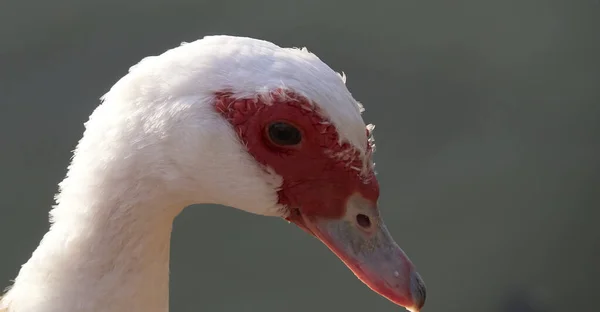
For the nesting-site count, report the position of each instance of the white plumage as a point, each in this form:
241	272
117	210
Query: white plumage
154	146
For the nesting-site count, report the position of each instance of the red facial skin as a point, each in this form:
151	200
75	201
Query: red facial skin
316	186
307	171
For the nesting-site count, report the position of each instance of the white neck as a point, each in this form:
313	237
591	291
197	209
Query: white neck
114	259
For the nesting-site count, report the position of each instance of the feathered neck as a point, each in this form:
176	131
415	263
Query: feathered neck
108	245
116	261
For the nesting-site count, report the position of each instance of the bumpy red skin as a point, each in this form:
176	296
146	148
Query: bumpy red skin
314	182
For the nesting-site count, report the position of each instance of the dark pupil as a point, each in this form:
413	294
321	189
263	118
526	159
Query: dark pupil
284	134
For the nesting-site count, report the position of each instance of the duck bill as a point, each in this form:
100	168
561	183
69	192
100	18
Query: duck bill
361	240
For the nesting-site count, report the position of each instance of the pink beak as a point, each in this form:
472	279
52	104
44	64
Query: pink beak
361	240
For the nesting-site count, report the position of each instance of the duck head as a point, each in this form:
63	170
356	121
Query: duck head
273	131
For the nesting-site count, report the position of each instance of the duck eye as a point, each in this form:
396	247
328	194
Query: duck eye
284	134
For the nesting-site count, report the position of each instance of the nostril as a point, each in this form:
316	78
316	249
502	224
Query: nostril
363	220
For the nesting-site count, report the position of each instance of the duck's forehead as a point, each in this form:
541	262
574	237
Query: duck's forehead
260	68
249	68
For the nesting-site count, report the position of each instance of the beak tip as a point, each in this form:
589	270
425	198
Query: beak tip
418	291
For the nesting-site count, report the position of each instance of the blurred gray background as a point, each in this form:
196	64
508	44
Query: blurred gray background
488	126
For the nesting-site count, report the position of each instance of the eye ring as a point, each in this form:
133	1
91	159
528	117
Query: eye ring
282	133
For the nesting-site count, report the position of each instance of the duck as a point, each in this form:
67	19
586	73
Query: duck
227	120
